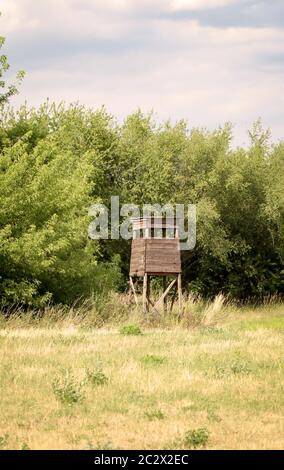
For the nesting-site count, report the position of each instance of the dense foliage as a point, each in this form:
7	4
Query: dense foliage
56	161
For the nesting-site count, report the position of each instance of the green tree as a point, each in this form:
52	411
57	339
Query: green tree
10	89
46	188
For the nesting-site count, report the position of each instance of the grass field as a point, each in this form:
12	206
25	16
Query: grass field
218	386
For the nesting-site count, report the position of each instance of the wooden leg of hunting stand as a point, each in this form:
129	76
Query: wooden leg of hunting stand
133	289
173	299
153	305
148	292
179	294
161	299
145	290
165	298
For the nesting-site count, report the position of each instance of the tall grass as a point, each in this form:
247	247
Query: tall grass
118	309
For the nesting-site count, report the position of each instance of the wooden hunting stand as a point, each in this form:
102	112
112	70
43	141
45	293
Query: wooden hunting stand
155	251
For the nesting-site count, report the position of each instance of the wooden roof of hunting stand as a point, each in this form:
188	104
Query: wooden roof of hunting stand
155	251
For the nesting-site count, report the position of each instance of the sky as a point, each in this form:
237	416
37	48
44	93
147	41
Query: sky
205	61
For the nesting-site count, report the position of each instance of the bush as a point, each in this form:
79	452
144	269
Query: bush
196	438
67	389
130	330
4	440
97	377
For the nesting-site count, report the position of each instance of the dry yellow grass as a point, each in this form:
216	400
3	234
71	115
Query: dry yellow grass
227	378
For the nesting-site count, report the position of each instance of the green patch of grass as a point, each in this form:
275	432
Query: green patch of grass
240	367
68	340
212	333
152	359
254	324
211	330
25	446
100	446
154	414
196	438
97	377
4	441
233	367
130	330
213	417
67	389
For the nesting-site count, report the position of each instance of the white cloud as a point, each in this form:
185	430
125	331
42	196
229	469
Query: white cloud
64	17
199	4
126	54
15	17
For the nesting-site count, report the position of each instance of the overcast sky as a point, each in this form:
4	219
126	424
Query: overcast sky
207	61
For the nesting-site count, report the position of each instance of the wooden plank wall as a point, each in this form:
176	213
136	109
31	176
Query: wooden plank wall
163	256
155	256
137	261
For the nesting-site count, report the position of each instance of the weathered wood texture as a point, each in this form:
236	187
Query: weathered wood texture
150	222
155	256
137	261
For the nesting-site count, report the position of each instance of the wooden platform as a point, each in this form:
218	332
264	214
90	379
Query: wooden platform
155	256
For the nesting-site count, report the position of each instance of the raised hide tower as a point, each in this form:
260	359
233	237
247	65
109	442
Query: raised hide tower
155	251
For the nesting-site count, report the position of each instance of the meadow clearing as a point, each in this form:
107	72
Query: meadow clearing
66	384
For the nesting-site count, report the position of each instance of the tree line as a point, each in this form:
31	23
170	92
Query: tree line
56	161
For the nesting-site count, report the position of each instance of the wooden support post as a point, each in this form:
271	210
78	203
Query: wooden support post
165	293
145	289
148	291
173	300
164	288
153	305
133	290
179	294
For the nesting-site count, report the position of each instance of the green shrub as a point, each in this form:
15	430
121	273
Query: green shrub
97	377
67	389
130	330
232	367
240	367
195	438
4	440
25	446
